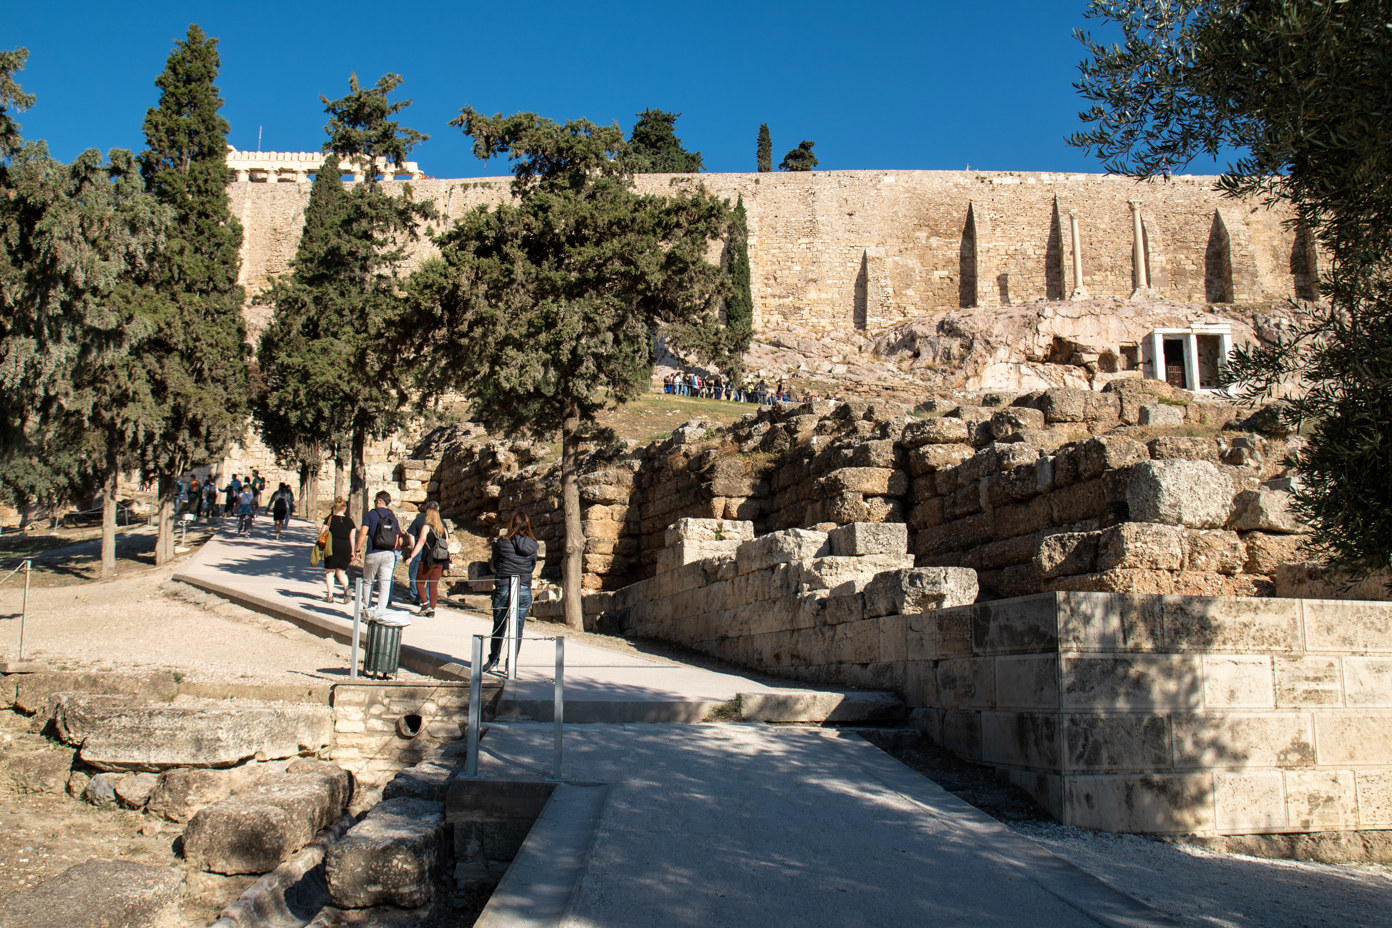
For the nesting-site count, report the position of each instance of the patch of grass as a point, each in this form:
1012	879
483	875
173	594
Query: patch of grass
732	711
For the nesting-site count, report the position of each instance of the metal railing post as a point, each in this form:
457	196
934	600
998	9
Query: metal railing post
475	707
514	633
357	624
558	706
24	609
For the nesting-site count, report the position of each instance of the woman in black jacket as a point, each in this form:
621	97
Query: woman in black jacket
514	555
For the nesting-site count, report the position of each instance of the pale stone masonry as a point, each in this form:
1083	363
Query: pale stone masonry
1120	712
836	249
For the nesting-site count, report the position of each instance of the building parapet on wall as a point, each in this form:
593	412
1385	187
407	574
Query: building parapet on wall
299	167
1120	712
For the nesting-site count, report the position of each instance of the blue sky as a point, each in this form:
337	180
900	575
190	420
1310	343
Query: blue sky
877	85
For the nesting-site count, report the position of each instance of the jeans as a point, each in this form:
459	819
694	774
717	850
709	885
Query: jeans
379	565
500	611
412	569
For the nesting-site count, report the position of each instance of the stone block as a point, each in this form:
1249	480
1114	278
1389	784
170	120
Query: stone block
37	692
966	682
1098	742
1308	680
135	789
921	637
1265	510
1137	681
1222	623
682	553
1195	494
154	737
182	792
35	773
391	857
1321	800
1214	550
1068	554
1374	798
943	431
1089	499
1249	803
708	530
1353	737
1140	545
1266	553
868	481
854	642
1109	621
99	894
919	589
1158	414
782	547
1095	457
893	647
1348	626
1028	624
1020	739
255	831
1242	739
961	733
1368	682
1153	803
853	573
807	706
1238	681
1064	404
954	631
1027	682
861	538
930	458
844	607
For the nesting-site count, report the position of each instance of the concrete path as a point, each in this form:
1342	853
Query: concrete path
276	578
717	826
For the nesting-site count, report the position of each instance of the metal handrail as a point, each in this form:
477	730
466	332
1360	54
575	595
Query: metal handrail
476	704
27	566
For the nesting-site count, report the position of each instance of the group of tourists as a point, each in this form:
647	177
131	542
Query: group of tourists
715	388
381	541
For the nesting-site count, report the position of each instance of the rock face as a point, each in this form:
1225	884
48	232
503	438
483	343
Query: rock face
98	894
391	857
112	734
254	831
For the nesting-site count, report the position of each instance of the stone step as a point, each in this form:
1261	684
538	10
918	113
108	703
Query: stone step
112	733
108	893
814	706
256	830
392	857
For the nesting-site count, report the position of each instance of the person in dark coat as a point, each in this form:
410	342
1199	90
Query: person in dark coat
514	555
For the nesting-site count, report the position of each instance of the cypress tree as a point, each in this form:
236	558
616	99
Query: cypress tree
739	308
764	156
199	353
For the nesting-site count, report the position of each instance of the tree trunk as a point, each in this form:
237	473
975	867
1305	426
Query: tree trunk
164	538
110	486
357	477
340	477
309	482
574	562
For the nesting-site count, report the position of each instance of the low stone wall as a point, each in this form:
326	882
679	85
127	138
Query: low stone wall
383	728
1122	712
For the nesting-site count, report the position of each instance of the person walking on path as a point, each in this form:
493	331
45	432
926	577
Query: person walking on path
246	510
345	549
380	538
415	529
281	504
432	547
514	555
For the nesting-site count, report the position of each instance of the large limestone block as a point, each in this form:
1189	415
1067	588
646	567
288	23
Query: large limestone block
862	538
256	831
846	574
1265	511
870	481
927	458
35	692
812	706
392	857
689	552
182	792
1143	545
945	431
1195	494
1160	414
919	589
1067	554
1214	550
786	546
98	894
708	530
1267	553
212	734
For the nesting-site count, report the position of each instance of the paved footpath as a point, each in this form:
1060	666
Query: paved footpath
716	826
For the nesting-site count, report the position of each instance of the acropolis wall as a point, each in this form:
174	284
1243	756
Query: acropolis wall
836	249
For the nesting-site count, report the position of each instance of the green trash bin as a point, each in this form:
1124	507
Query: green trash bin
383	652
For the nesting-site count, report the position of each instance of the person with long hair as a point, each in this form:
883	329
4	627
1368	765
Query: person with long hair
345	551
514	555
432	545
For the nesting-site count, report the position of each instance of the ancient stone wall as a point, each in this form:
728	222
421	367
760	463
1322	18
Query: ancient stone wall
837	249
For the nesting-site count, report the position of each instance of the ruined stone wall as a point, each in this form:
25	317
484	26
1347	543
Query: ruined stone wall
835	249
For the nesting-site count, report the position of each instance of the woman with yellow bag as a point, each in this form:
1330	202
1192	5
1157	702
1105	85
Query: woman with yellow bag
339	548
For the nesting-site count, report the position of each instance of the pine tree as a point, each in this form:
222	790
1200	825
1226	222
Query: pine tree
764	154
199	354
653	146
368	252
544	309
800	158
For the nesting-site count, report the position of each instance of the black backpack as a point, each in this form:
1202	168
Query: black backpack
385	537
439	547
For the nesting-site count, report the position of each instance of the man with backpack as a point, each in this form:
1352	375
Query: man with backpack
380	538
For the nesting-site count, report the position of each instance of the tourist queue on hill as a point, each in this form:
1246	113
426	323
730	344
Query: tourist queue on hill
714	388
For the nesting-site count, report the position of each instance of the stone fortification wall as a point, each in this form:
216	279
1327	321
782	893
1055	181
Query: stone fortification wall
1121	712
837	249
